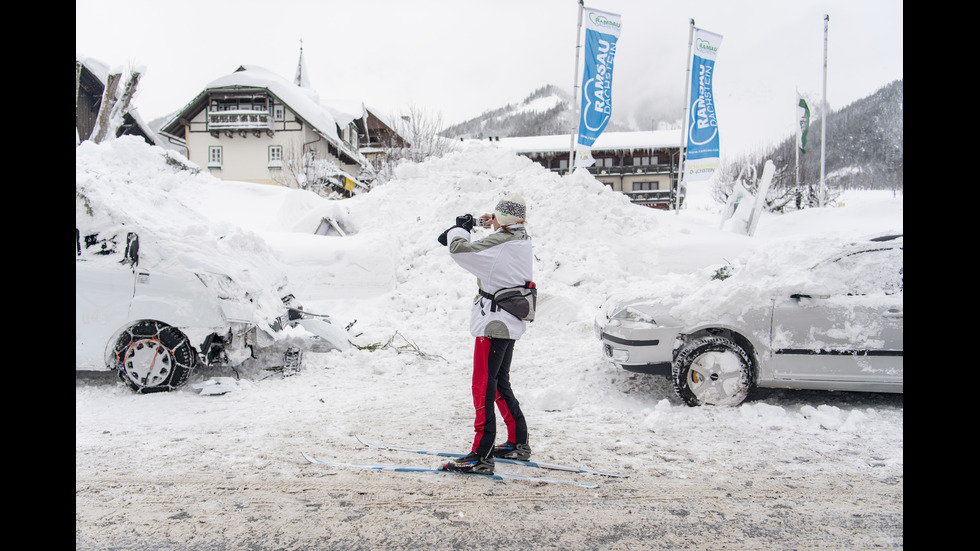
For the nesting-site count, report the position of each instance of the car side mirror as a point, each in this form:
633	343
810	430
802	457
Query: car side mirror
132	253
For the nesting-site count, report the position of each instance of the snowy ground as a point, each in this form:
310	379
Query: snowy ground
785	470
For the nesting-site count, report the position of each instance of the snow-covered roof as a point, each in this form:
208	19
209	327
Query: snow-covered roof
383	117
96	67
302	101
344	111
323	117
649	139
101	71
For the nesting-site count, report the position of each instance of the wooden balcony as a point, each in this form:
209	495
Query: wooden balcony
240	120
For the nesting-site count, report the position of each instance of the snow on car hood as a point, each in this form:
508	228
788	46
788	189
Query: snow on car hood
727	292
123	184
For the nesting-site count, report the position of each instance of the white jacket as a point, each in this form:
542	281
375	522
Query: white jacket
502	259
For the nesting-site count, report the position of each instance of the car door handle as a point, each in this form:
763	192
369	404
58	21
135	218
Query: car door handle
894	313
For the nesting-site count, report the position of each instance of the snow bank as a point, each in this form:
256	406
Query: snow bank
124	183
589	241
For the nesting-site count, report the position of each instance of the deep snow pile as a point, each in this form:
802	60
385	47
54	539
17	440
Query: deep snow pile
124	185
589	241
392	277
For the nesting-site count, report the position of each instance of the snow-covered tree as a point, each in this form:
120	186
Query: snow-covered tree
114	108
864	150
416	139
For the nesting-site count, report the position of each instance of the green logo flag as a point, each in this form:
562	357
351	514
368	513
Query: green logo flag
803	117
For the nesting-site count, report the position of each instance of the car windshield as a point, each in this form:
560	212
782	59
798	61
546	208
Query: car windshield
122	247
863	272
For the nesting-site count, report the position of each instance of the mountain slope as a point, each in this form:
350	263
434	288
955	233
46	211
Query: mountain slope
546	111
865	143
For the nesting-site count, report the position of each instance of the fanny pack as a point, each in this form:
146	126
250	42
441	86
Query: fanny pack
518	301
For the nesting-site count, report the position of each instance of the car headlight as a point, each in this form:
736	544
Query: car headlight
633	315
223	286
619	355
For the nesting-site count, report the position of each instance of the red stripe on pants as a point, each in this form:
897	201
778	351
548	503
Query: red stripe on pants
491	384
481	353
508	418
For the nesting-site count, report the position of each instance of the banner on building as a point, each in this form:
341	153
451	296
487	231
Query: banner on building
803	118
703	146
601	33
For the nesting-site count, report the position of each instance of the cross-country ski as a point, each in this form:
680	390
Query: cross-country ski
414	469
551	466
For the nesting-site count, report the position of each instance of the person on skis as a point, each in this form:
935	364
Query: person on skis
502	259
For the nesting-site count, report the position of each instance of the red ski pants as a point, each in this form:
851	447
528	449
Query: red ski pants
491	385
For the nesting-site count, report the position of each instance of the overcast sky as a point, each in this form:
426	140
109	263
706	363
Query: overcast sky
459	58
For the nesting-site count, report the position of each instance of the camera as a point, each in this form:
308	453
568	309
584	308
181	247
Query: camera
483	222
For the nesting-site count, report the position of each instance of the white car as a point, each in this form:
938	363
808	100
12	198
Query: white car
841	328
154	326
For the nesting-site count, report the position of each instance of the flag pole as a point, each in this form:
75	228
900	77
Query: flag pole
823	117
799	132
687	101
575	86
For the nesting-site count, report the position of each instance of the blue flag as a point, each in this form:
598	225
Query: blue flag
703	148
601	33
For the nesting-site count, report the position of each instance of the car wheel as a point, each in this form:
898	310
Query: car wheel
151	356
712	370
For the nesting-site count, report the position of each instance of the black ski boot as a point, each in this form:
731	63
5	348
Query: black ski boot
510	450
471	463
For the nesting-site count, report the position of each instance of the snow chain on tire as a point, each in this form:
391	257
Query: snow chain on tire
704	384
151	356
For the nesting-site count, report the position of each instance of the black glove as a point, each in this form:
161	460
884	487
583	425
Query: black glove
465	221
442	237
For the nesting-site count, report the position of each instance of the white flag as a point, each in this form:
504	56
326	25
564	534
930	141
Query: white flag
803	120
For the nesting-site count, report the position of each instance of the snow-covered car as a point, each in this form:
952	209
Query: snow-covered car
837	326
154	322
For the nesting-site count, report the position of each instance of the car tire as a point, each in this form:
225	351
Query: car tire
151	356
712	370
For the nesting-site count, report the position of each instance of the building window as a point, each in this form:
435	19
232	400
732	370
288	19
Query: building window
214	156
275	156
352	135
279	112
645	186
240	103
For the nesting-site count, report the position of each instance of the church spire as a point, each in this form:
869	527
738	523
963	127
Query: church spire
302	76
